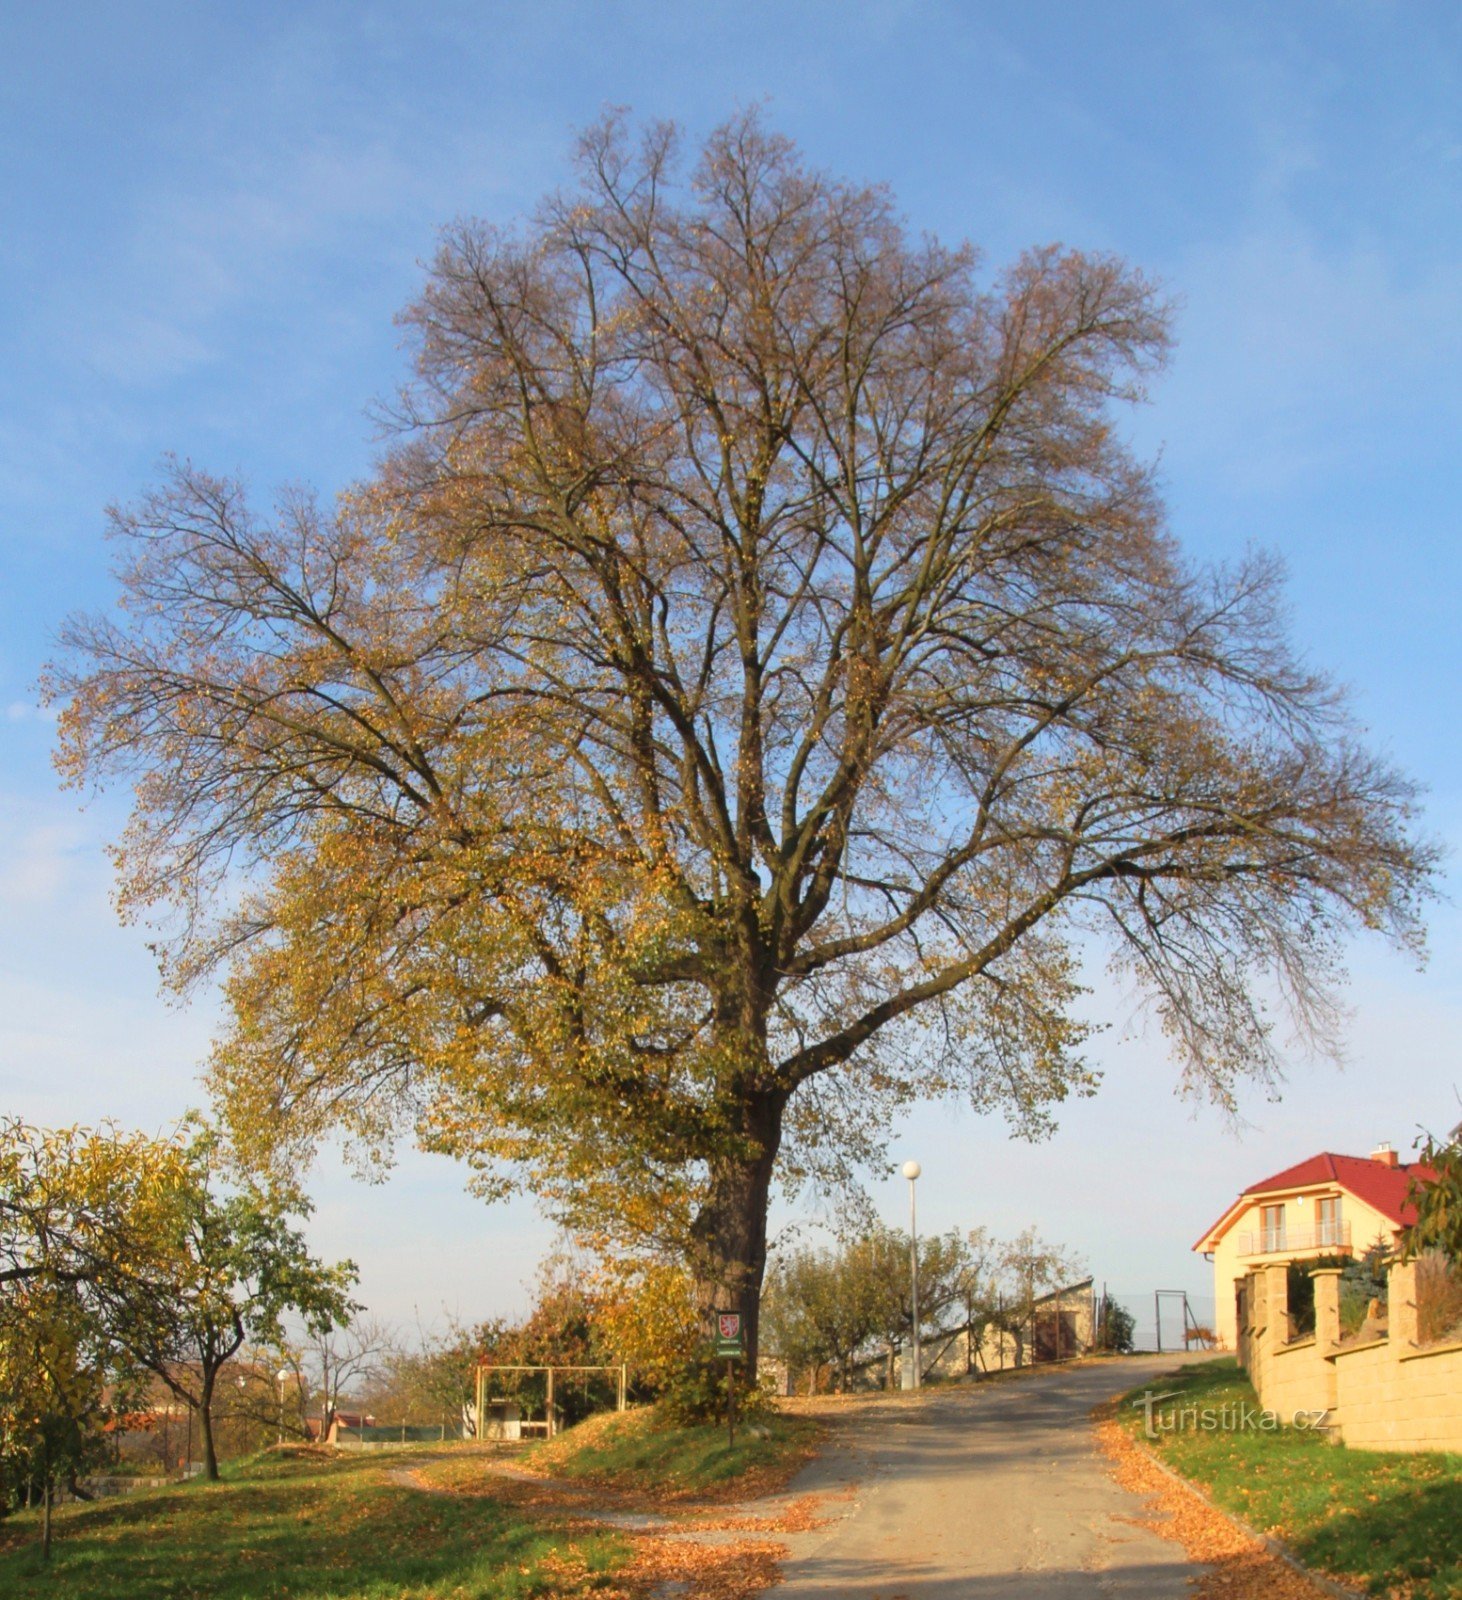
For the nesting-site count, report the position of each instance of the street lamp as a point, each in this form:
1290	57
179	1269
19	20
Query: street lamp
282	1374
912	1169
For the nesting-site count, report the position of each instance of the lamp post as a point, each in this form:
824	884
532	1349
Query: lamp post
912	1169
281	1375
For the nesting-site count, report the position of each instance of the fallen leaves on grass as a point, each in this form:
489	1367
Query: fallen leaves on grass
801	1515
699	1538
674	1553
708	1572
570	1458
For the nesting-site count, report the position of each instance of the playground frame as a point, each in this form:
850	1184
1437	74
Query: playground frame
620	1372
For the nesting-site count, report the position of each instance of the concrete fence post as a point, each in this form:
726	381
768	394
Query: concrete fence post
1401	1319
1327	1305
1276	1306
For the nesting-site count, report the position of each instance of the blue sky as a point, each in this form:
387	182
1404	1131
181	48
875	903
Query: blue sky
210	214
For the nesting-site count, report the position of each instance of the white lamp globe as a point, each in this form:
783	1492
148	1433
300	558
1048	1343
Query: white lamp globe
912	1169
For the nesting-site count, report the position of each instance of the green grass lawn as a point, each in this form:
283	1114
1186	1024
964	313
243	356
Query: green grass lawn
306	1527
635	1451
315	1527
1388	1521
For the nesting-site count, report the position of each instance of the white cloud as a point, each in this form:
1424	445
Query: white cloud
1293	356
29	711
37	864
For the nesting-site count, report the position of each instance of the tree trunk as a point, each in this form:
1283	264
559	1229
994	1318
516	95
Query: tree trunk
729	1236
46	1517
205	1427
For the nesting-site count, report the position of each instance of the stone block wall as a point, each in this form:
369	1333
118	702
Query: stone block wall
1382	1390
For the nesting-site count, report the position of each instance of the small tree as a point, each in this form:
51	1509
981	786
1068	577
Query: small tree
345	1359
1116	1328
433	1379
176	1272
824	1305
1029	1269
979	1289
81	1212
565	1327
63	1382
228	1268
1363	1285
945	1266
645	1311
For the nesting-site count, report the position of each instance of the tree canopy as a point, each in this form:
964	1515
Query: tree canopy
830	1305
755	670
827	1306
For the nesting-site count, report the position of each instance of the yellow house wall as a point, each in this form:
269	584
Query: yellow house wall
1229	1267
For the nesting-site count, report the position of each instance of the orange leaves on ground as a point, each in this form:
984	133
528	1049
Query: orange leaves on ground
1242	1568
709	1572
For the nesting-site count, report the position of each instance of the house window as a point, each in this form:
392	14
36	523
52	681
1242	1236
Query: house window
1327	1221
1273	1228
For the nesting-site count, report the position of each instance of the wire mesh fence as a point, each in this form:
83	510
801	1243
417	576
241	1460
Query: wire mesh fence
397	1433
1166	1319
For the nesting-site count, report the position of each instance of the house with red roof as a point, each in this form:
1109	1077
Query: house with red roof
1328	1206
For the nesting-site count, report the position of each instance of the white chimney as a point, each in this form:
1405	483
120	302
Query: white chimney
1385	1155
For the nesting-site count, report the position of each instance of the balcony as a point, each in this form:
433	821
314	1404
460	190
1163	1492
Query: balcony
1329	1236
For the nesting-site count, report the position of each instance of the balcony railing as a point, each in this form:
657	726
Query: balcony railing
1295	1241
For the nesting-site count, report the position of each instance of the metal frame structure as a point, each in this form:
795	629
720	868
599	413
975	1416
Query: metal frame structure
620	1372
1190	1322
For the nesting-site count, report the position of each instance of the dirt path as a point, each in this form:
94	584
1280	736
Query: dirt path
707	1522
990	1493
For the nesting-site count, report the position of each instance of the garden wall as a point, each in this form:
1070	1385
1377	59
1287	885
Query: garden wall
1381	1389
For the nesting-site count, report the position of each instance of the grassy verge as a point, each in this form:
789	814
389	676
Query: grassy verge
308	1528
635	1450
1391	1523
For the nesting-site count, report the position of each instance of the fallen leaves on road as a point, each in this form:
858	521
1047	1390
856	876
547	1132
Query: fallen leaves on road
1242	1567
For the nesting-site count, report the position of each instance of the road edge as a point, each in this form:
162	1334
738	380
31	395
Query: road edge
1106	1412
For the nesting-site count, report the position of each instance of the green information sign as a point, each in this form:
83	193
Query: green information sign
730	1340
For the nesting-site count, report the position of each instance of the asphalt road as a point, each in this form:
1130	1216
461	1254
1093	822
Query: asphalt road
982	1493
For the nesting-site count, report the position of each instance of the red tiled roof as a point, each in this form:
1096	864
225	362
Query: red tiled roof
1381	1187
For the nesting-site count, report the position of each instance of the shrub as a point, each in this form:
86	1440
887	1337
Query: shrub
1362	1280
1438	1297
697	1394
1117	1328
